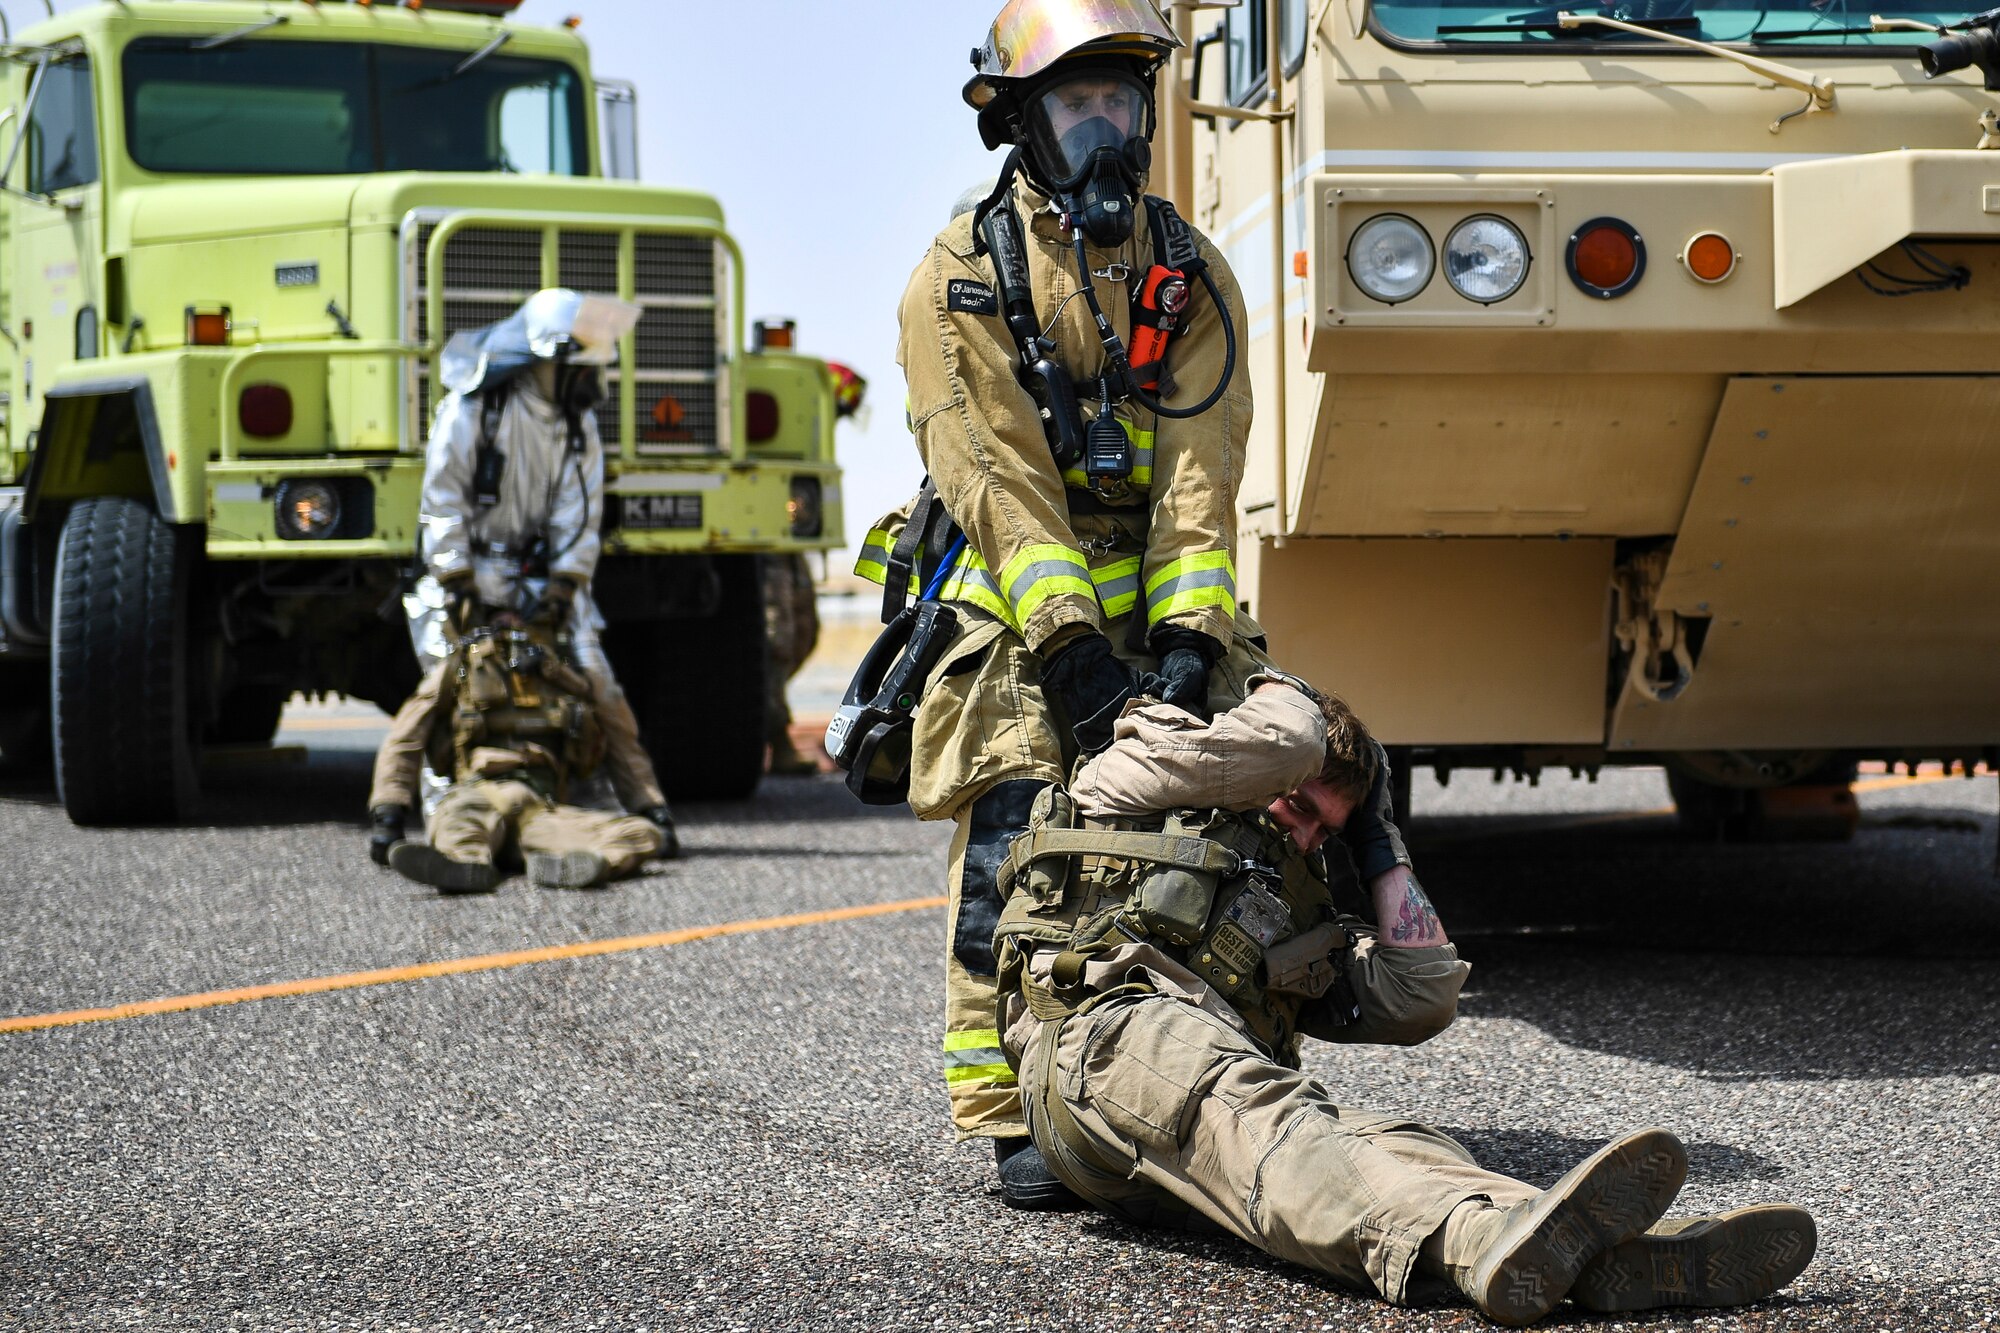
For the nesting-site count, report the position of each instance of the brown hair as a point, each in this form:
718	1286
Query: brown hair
1352	757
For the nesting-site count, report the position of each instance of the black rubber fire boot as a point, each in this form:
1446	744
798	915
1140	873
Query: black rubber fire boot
1026	1181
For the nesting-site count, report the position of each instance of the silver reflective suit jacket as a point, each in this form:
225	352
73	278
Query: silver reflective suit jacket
545	492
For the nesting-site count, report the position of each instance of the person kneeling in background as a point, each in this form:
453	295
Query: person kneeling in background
513	726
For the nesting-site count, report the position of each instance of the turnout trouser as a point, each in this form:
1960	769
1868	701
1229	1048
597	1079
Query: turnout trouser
986	740
486	818
1154	1103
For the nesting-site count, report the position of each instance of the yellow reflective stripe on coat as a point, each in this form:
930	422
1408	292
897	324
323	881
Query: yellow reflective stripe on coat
970	581
873	561
1043	571
975	1054
1117	586
1206	578
1142	460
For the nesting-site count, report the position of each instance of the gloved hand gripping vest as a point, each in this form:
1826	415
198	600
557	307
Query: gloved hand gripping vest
1224	894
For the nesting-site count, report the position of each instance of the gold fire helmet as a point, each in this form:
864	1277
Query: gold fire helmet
1030	37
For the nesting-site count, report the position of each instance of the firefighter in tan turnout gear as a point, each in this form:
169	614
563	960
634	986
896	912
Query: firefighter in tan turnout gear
1079	514
515	727
512	500
1171	932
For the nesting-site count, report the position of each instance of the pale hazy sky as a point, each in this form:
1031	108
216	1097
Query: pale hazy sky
834	136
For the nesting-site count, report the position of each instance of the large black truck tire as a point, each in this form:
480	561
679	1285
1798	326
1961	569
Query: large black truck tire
697	687
119	655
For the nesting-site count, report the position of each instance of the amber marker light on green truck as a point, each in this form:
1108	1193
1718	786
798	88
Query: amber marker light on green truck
233	238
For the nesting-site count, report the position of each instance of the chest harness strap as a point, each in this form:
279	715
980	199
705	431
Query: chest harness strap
1159	303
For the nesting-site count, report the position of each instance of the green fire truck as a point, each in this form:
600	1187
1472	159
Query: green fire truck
233	238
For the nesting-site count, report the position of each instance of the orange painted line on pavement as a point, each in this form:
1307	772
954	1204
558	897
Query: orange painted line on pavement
1882	784
454	966
334	724
1619	816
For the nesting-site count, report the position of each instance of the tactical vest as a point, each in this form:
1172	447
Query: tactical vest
1225	895
514	693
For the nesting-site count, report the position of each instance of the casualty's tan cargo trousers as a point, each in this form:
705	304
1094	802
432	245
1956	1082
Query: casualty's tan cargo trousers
986	740
484	819
1155	1103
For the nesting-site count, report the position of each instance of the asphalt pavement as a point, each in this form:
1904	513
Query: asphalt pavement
682	1129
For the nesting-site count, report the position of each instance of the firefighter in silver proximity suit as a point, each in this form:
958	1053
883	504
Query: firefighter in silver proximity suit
513	494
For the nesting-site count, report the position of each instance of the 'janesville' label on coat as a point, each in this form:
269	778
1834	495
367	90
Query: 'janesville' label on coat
974	297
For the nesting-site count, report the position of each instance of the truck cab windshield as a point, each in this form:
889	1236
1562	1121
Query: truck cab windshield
1839	24
290	108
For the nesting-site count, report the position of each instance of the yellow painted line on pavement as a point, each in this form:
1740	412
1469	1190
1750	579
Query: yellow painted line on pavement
489	962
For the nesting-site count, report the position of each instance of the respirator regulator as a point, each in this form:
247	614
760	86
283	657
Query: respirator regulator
579	387
1089	147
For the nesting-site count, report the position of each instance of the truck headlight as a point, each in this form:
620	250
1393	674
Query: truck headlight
1390	258
803	507
1485	259
307	509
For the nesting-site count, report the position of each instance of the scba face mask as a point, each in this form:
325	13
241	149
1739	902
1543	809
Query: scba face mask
578	385
1089	140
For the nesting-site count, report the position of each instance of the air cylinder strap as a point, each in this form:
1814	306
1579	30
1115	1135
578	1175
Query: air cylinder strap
927	532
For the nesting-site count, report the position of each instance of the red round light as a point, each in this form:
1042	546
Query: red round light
265	411
1605	257
762	410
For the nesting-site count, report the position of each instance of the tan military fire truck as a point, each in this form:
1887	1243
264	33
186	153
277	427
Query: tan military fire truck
232	239
1628	377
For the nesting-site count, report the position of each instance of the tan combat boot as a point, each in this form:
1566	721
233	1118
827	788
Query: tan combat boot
567	870
428	865
1516	1264
1732	1258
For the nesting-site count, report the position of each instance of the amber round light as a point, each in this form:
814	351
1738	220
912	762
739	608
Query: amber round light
1710	257
1606	257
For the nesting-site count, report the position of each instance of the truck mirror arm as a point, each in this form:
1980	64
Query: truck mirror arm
1817	87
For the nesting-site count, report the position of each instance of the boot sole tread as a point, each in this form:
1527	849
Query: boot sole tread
1625	1189
1738	1259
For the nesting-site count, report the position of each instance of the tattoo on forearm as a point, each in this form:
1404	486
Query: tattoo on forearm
1416	919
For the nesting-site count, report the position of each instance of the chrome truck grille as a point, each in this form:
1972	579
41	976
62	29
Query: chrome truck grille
677	370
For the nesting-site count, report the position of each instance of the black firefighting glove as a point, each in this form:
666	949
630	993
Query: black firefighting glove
1186	657
461	600
386	831
1371	834
1092	686
556	602
663	819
